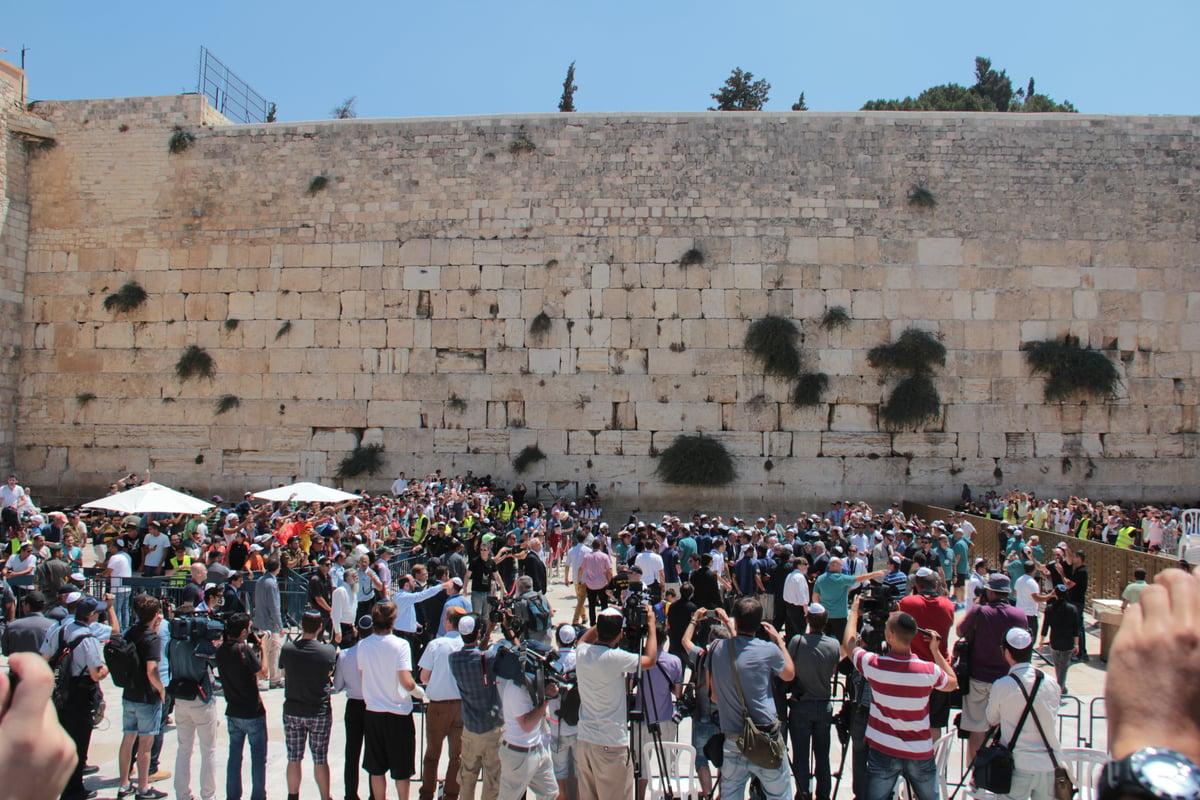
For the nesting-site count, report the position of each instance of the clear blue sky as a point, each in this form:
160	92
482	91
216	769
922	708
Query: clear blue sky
473	57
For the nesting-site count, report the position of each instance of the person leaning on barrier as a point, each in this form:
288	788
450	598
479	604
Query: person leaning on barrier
600	669
815	658
748	695
482	724
1033	769
898	732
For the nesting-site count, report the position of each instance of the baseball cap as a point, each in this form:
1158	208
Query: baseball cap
89	605
1018	638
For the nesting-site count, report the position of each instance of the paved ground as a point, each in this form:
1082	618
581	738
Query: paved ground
1086	680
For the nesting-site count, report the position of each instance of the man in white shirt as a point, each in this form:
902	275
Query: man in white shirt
400	485
573	560
22	562
342	609
600	670
1024	589
653	575
796	597
119	567
385	663
155	546
12	497
1033	774
526	764
443	708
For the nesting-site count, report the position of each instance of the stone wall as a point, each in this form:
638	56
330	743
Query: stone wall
354	312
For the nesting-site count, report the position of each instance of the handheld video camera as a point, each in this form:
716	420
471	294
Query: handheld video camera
875	604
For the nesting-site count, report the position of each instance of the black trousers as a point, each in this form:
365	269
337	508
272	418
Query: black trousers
596	597
356	711
796	618
76	719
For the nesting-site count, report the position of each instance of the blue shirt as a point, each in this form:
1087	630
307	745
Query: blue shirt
472	671
834	588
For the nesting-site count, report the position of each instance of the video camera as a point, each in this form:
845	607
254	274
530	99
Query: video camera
875	604
532	664
502	612
196	628
637	621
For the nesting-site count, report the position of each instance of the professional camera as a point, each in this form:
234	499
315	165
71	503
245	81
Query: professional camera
196	628
502	612
531	664
636	619
875	604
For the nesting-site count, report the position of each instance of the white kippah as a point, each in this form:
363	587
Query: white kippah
816	608
1018	638
466	625
924	572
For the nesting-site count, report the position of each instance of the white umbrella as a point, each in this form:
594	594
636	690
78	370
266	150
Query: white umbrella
151	498
305	492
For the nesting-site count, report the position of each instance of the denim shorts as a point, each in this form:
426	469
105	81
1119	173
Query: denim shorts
144	719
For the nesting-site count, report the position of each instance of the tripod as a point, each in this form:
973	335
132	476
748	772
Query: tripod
637	689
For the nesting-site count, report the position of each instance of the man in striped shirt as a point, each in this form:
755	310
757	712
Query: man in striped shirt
898	732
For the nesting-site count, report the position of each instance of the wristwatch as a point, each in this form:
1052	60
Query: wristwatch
1152	773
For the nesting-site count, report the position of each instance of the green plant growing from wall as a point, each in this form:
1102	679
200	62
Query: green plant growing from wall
809	388
126	299
180	140
456	403
540	326
773	341
317	184
83	398
529	455
1071	369
231	324
366	458
915	399
696	460
521	144
835	317
692	258
920	196
284	330
228	402
195	363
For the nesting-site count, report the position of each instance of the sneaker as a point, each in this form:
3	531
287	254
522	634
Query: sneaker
150	794
159	775
125	791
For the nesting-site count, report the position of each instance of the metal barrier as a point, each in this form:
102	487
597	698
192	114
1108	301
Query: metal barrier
228	93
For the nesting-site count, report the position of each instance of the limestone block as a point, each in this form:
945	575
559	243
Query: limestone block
414	253
858	444
1086	305
631	362
525	252
507	361
450	441
747	276
609	442
638	443
835	250
1129	445
425	278
315	305
552	443
581	443
333	440
259	463
313	255
848	417
802	250
925	445
488	441
758	415
674	416
460	360
152	258
670	250
593	360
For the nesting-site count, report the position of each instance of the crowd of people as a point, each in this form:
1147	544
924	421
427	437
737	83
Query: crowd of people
433	600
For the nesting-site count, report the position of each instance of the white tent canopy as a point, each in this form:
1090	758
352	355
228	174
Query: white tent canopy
306	492
151	498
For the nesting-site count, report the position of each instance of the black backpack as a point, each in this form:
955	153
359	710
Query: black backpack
124	664
61	664
568	708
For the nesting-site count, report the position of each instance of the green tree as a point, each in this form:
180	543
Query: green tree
741	93
995	86
271	112
992	91
345	109
800	105
567	101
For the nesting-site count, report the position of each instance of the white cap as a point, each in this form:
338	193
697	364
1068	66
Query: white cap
457	581
466	625
1018	638
256	548
924	572
73	597
566	633
816	608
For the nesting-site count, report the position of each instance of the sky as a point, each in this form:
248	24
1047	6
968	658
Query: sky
404	59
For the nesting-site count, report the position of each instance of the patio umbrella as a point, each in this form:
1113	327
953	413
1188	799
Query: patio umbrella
151	498
305	492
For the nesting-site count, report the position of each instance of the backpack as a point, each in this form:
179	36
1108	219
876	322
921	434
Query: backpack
536	613
568	707
61	664
124	664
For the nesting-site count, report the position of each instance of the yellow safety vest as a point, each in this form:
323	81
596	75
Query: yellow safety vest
506	510
1084	525
420	529
1125	537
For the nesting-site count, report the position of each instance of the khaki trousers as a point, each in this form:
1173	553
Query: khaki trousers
580	599
443	720
480	754
605	773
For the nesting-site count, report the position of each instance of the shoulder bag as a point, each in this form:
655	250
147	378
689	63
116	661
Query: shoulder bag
993	763
1064	787
763	748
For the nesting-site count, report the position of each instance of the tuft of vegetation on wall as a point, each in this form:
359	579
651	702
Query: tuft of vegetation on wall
228	402
916	352
231	324
528	456
919	196
456	403
195	363
284	330
180	140
773	340
696	460
540	325
126	299
83	398
317	184
692	258
366	458
521	145
914	401
1071	369
835	317
809	388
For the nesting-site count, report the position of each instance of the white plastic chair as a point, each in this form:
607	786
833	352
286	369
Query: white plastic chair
943	748
680	767
1085	766
1189	536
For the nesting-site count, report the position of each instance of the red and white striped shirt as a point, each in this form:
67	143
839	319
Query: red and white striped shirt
898	725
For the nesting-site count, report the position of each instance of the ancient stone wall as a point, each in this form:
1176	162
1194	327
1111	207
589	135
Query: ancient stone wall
392	302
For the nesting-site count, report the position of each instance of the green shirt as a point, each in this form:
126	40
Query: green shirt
834	588
1133	591
962	552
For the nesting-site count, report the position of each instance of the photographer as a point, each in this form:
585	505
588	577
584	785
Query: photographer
986	624
526	764
900	684
707	627
240	667
482	725
564	738
601	667
743	691
934	612
190	654
533	612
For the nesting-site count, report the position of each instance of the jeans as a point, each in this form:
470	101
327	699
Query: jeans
737	769
121	605
809	725
479	603
883	771
1062	663
254	729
